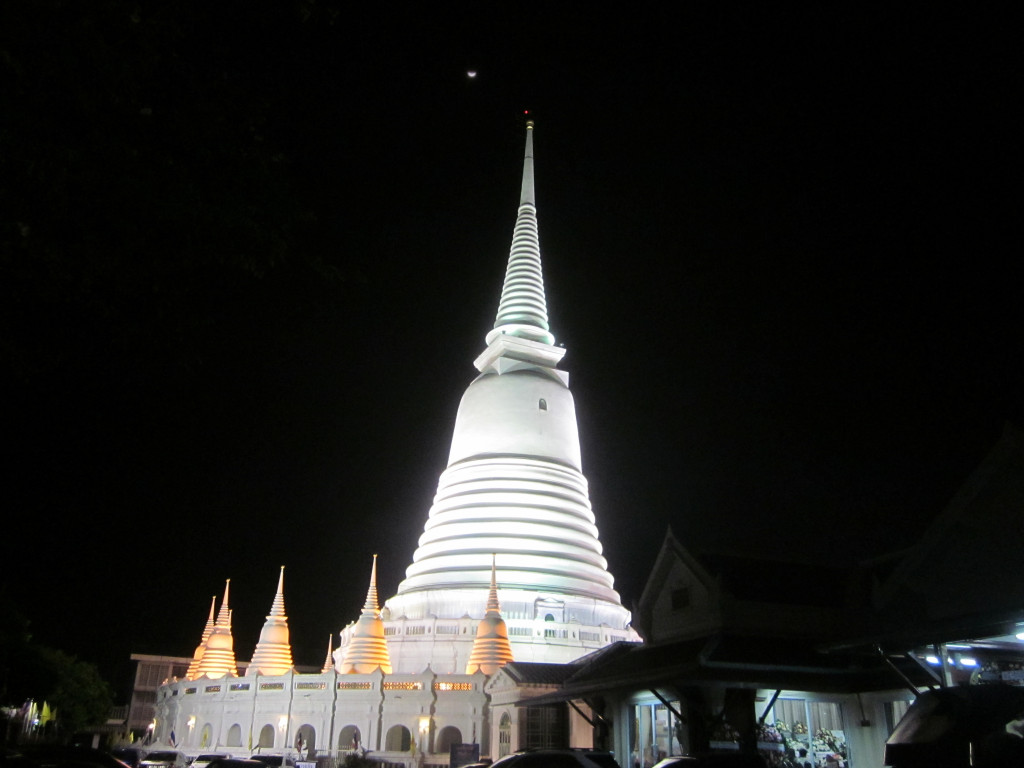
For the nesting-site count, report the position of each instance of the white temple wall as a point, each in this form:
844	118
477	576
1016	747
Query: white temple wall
321	707
311	712
460	702
363	712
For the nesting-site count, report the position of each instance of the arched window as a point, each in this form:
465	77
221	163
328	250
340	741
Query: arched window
235	736
349	738
398	739
446	737
206	737
505	735
267	736
550	609
543	404
308	734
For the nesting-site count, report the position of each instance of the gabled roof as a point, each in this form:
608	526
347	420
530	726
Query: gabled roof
671	554
536	673
733	593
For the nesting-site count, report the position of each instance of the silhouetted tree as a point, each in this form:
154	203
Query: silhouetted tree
75	690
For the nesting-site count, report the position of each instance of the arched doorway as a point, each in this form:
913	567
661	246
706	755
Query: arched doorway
350	738
235	736
504	735
305	740
399	739
266	736
446	737
206	737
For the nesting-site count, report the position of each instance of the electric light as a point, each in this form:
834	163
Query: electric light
968	662
424	725
283	722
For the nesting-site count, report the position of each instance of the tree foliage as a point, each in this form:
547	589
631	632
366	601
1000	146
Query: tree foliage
72	687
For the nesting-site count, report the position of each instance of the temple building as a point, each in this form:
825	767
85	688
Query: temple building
507	631
509	568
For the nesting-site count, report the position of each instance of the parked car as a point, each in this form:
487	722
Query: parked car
274	761
678	761
202	761
164	758
557	758
714	760
49	756
234	762
962	727
130	755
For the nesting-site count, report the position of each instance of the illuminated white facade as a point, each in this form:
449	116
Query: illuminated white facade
511	525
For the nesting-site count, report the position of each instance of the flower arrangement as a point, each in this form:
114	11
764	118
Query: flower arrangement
769	733
781	725
827	741
799	727
725	732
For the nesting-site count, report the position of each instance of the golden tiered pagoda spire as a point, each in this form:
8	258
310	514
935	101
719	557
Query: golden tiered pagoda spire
193	667
329	661
367	650
219	657
491	649
273	654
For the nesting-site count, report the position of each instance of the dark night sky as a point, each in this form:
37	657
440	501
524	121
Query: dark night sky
249	259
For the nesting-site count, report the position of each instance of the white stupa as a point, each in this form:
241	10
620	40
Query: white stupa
508	569
514	487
